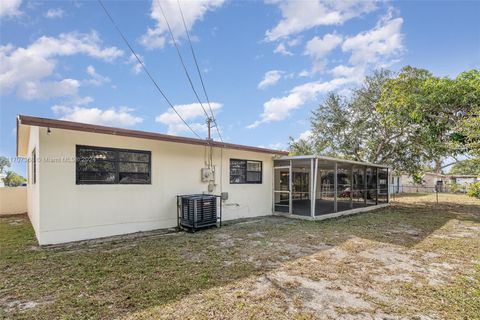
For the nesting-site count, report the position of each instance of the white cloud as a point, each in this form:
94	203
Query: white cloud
270	78
282	49
54	13
295	42
319	47
80	101
10	8
25	71
95	78
193	11
274	146
373	46
33	90
118	117
189	112
306	135
277	109
356	73
378	47
136	66
298	16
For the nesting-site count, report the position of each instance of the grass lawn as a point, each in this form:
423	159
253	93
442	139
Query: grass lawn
414	259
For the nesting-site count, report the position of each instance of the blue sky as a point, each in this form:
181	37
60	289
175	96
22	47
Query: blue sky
266	65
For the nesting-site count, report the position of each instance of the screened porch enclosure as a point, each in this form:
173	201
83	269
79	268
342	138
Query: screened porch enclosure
313	186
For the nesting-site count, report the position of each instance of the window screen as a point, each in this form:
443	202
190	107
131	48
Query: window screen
112	166
245	171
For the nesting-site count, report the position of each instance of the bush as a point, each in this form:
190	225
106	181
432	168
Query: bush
13	180
456	188
474	190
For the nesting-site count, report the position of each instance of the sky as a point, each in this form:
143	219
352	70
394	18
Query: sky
265	65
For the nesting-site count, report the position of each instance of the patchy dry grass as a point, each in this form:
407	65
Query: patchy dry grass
414	259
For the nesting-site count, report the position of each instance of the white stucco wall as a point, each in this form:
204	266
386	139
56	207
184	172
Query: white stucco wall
33	190
70	212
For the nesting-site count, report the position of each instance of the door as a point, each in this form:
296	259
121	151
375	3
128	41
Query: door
281	189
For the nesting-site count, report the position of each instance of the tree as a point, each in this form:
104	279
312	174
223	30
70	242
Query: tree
353	128
13	180
410	120
443	112
474	190
468	167
4	163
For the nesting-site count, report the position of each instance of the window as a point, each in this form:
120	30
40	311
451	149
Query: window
34	166
112	166
245	171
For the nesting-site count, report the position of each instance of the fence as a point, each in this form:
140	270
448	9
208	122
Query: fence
13	200
438	192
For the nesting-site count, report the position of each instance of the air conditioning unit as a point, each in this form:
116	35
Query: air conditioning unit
198	211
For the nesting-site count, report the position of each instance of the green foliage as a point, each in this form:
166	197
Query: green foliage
353	128
13	180
443	112
474	190
468	132
301	147
468	167
455	187
408	120
4	163
417	178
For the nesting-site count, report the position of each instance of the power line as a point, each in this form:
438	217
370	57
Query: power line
181	60
144	68
198	70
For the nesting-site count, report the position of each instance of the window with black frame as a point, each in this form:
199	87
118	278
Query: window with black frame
97	165
245	171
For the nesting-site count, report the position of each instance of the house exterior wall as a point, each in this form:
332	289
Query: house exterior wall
430	180
405	184
463	181
33	190
71	212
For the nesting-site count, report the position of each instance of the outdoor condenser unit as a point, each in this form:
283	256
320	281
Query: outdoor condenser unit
197	211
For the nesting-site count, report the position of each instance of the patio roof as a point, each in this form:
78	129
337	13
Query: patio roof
331	159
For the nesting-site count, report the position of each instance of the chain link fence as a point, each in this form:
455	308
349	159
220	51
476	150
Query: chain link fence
436	193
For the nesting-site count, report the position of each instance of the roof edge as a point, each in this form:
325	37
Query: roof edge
92	128
17	121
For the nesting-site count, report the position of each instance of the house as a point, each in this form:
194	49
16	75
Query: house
87	181
2	176
431	182
463	180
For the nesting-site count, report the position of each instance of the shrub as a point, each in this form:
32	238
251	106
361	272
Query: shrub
474	190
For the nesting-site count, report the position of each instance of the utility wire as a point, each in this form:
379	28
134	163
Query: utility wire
145	68
181	60
198	70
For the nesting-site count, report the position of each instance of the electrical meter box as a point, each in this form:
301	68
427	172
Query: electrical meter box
207	174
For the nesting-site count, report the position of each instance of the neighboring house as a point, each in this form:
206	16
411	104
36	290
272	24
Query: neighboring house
431	182
88	181
2	183
463	180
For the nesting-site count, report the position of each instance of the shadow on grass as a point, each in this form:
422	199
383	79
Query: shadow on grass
124	276
410	195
